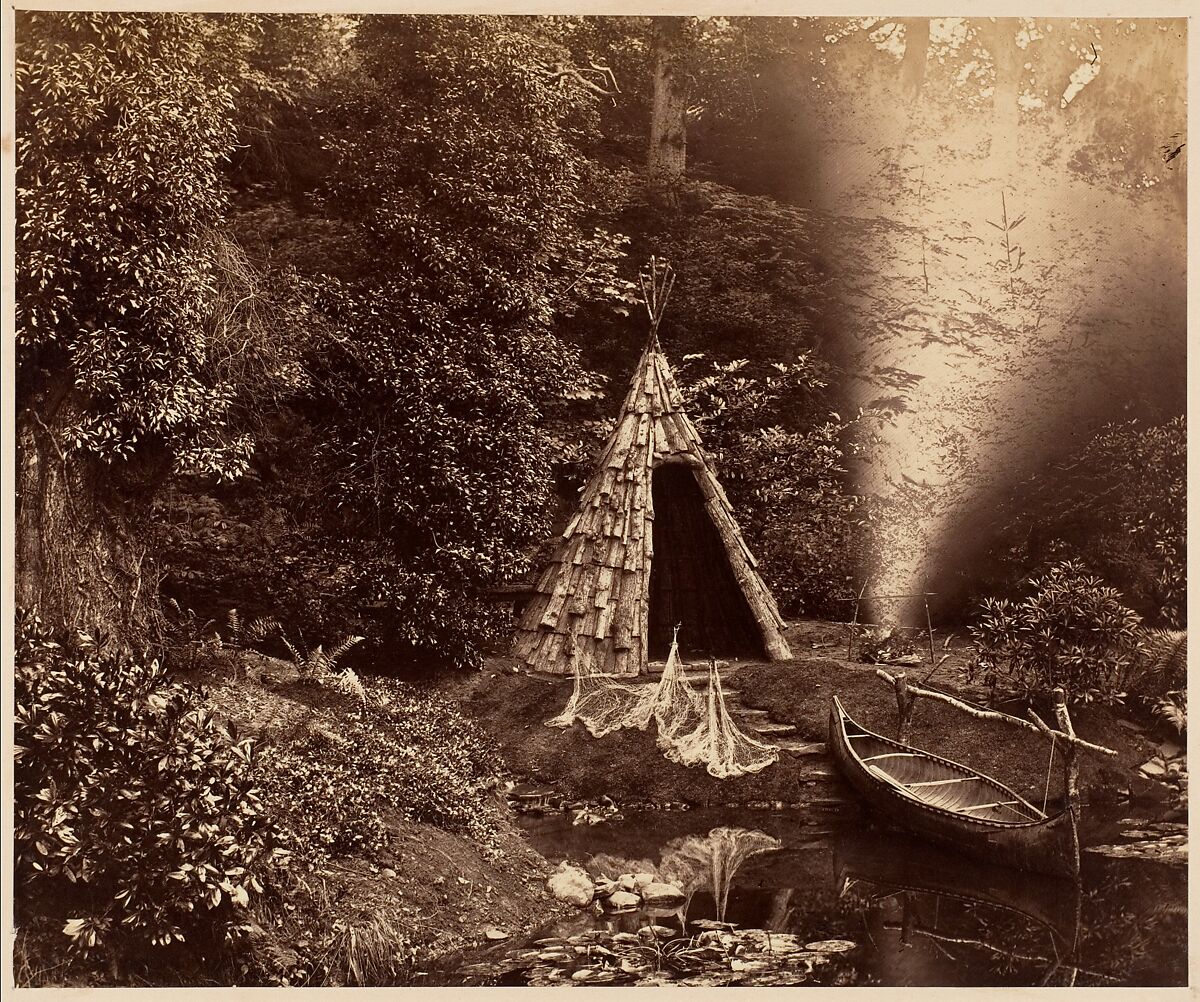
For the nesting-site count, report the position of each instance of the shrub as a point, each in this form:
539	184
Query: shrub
1071	631
437	500
253	545
788	486
136	821
1120	505
400	753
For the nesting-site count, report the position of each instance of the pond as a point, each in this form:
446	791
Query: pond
821	896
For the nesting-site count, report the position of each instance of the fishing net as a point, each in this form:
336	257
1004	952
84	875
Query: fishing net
717	741
602	704
692	728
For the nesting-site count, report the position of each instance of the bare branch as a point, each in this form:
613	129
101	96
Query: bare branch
1037	726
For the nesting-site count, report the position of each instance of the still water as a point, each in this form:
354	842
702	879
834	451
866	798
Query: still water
823	897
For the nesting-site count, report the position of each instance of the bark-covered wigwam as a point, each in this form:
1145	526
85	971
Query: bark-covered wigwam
654	545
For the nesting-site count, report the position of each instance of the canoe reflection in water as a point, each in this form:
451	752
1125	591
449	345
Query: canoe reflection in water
922	908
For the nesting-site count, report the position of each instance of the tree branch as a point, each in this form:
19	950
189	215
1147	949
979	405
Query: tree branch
1037	726
556	72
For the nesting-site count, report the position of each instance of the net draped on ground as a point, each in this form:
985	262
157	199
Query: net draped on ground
693	727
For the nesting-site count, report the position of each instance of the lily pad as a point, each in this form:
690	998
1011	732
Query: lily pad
831	946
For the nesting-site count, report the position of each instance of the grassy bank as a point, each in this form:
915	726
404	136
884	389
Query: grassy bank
512	707
444	876
799	693
625	765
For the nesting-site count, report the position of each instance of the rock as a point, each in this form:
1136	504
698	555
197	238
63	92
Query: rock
1152	768
569	883
640	880
1147	791
1169	750
388	872
662	894
495	933
626	882
620	901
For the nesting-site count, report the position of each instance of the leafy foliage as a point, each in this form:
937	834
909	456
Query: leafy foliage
1172	708
322	667
435	466
125	122
398	754
137	821
456	159
788	485
1161	665
1071	632
258	545
1119	505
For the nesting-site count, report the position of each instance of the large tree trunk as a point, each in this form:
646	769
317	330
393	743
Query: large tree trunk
916	54
1000	39
666	162
77	561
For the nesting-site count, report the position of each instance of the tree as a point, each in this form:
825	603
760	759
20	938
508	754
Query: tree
125	330
666	160
916	54
454	163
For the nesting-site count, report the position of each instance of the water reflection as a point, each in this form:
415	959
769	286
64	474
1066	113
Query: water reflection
802	899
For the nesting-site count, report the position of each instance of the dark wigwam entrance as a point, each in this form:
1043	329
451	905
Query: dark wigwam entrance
691	583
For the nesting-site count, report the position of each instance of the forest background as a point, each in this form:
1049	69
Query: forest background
325	317
322	319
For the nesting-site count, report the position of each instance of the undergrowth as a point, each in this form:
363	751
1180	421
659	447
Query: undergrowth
398	753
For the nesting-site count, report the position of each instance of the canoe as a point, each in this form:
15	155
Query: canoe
946	802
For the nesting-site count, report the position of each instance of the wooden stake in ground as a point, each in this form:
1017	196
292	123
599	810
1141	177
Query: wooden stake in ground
1070	770
904	706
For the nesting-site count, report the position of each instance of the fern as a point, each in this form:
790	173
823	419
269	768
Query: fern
1162	662
347	682
1166	650
334	655
1173	709
323	668
254	632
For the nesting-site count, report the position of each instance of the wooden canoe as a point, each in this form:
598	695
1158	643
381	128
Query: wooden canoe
946	802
